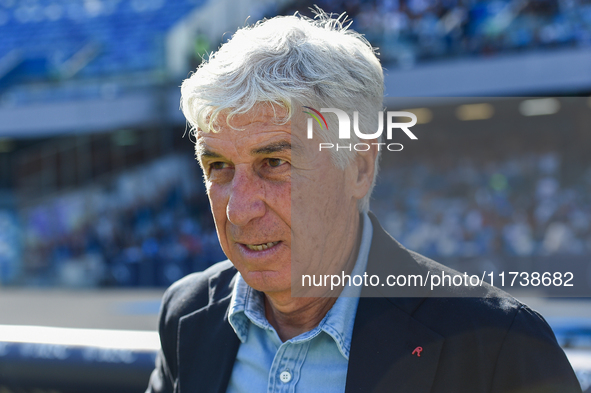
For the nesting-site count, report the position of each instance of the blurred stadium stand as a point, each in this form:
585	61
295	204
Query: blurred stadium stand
494	184
523	180
478	47
99	189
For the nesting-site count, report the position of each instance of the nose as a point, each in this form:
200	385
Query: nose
247	194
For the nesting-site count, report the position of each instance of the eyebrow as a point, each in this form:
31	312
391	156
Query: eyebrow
271	148
203	151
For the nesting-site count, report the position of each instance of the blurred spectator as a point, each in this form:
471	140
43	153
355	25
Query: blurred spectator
407	31
516	206
150	227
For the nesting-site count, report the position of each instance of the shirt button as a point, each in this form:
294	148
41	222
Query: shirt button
285	376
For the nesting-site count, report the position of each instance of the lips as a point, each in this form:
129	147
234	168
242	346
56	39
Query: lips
261	247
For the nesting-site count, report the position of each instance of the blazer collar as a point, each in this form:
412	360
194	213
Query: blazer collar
387	256
207	345
386	338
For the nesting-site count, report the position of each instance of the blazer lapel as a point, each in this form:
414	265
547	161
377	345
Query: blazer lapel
390	350
207	344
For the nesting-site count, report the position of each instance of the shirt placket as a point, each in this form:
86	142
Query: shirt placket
286	367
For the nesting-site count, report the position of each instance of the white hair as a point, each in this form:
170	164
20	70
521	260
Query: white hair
287	59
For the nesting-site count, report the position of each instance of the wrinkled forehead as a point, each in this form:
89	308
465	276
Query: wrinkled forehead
263	120
259	113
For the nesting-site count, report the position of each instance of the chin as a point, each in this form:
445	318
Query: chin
267	281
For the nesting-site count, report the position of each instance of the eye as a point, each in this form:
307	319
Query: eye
275	162
218	165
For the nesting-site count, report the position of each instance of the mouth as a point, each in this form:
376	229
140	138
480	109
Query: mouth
261	247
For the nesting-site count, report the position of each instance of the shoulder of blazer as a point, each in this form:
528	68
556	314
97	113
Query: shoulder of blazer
187	295
467	338
454	307
193	291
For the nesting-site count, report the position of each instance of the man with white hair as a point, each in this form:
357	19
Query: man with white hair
285	209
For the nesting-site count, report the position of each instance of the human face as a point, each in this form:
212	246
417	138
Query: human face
275	199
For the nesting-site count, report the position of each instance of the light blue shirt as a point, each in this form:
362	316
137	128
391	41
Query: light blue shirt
315	361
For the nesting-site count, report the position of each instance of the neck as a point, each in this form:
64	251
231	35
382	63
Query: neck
299	316
292	316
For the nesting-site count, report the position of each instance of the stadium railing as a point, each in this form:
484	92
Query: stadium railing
34	358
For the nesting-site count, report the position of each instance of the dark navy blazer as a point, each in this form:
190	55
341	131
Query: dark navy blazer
486	342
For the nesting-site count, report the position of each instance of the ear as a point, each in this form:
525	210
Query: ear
364	164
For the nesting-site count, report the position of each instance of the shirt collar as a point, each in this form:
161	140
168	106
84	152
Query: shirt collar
247	305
